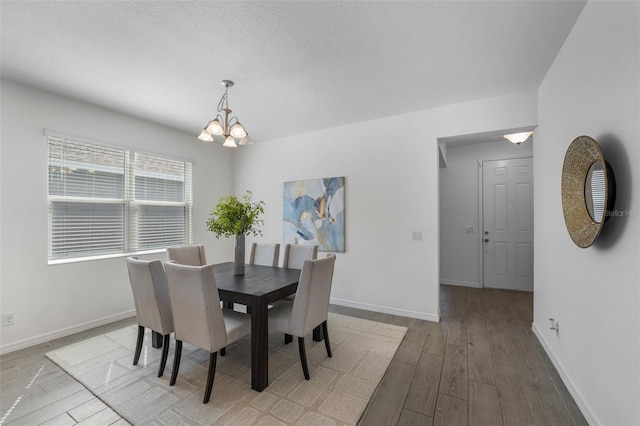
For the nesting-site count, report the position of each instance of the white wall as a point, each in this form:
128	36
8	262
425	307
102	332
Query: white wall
593	88
391	170
392	189
459	208
53	300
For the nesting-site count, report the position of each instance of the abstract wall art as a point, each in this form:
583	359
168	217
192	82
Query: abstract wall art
313	213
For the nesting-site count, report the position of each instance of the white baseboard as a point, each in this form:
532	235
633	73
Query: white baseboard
42	338
386	310
587	412
461	283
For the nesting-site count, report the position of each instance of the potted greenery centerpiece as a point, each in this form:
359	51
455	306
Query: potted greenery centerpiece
236	217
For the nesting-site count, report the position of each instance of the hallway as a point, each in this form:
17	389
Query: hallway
481	365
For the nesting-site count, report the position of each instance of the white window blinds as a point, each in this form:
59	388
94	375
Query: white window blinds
598	190
162	204
105	200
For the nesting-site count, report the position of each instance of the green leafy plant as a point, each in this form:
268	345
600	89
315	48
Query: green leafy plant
232	216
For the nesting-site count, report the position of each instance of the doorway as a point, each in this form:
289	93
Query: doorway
507	223
461	223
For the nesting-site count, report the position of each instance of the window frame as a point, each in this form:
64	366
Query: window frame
128	201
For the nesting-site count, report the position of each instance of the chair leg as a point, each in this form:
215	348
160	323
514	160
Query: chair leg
176	362
288	338
212	372
136	357
303	357
327	346
223	351
165	355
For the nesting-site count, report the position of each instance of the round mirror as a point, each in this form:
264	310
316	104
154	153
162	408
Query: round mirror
594	191
587	190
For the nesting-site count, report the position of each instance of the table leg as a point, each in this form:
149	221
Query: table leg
156	339
318	335
259	344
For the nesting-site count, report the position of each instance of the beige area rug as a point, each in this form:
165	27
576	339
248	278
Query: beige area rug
337	394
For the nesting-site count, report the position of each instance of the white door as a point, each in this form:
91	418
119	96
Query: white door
507	239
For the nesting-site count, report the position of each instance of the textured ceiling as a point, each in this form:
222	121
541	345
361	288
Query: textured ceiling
298	66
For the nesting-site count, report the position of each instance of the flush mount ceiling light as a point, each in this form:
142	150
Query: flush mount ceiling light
223	125
518	138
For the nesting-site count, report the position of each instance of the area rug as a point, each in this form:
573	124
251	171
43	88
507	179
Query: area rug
337	394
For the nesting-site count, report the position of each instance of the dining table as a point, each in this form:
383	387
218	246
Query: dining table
257	288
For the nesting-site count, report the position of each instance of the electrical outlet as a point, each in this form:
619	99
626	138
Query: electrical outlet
554	325
8	319
416	236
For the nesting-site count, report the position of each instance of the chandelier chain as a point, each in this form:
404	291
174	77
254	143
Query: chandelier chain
224	103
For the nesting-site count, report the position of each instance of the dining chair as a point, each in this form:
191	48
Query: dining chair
199	320
294	257
192	256
265	254
310	307
188	255
153	305
296	254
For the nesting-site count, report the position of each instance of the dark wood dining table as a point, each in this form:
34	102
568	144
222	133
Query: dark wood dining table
257	288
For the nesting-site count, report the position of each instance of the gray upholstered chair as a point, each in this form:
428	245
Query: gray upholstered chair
192	256
294	257
187	255
310	307
265	254
296	254
198	318
153	306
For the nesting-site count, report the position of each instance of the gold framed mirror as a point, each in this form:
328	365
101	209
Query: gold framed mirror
588	190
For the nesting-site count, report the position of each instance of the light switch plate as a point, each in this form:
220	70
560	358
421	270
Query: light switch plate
8	319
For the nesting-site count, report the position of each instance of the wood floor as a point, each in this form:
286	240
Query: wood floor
481	366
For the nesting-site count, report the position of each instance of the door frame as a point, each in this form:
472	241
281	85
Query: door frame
481	208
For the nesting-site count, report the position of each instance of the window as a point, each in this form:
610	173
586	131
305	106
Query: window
106	200
598	189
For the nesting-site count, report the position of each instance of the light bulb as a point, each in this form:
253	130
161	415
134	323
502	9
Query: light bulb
205	136
215	127
230	142
518	138
246	140
237	131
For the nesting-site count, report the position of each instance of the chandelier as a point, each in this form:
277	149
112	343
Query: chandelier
229	127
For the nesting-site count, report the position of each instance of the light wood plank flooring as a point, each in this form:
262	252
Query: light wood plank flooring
481	366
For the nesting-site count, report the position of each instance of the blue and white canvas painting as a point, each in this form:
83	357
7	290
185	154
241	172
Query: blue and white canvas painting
314	213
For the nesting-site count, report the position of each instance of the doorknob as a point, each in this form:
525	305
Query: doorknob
486	240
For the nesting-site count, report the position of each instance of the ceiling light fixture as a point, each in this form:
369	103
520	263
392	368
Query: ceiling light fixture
518	138
223	125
